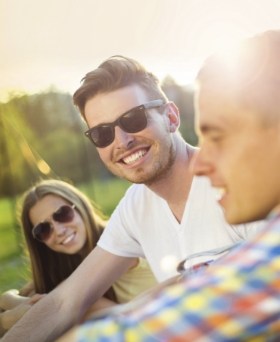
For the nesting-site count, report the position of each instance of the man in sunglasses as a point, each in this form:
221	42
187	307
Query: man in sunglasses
165	216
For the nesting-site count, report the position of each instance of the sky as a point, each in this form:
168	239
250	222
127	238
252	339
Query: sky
53	43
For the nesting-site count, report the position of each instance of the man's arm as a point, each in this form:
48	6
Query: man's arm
13	306
235	298
66	304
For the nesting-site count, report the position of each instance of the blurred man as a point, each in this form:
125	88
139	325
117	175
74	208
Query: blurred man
238	297
165	216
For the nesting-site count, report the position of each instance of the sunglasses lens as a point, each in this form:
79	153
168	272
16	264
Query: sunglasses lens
102	135
131	122
134	121
64	214
42	231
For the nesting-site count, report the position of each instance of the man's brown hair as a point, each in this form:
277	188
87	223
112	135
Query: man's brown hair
114	73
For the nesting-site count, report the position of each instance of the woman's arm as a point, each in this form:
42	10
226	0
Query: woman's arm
12	307
66	304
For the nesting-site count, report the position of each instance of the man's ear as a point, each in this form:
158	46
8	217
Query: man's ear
173	116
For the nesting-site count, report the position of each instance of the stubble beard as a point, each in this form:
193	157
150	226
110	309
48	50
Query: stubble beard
160	171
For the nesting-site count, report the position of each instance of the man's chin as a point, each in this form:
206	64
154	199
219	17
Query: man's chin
237	218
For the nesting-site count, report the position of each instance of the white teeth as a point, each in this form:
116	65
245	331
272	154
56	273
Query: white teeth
133	157
68	239
219	193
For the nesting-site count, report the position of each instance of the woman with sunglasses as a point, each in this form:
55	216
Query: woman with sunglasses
61	227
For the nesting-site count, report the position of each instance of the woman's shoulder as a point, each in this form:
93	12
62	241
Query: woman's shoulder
134	282
141	196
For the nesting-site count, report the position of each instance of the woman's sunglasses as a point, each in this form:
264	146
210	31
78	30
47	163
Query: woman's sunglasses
43	230
132	121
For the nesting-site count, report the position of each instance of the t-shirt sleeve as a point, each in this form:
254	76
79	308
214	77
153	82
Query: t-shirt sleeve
120	235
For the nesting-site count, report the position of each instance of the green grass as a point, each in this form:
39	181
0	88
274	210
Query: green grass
13	269
107	194
8	229
13	273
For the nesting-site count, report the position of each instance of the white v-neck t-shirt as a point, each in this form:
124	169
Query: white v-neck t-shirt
143	225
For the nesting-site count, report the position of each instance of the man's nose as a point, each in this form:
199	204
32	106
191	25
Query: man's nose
200	165
122	138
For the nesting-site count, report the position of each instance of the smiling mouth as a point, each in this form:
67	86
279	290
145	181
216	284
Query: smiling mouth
132	158
68	239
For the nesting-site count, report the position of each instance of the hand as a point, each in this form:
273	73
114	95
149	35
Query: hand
13	307
10	299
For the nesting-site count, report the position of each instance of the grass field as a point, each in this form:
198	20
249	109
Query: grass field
9	236
13	268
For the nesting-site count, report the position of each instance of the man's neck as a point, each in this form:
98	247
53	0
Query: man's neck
175	187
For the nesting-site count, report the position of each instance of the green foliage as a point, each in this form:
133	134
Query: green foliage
12	149
45	129
106	194
13	274
12	270
41	131
8	229
183	98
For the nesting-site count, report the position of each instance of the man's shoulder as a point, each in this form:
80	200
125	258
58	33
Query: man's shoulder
138	191
140	197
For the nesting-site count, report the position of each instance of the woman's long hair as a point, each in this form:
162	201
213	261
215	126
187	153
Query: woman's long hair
49	268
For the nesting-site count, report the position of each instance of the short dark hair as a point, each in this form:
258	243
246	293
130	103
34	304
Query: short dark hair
114	73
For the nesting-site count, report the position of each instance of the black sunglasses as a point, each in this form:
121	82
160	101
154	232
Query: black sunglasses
132	121
43	230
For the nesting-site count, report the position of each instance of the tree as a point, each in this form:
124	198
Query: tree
42	136
183	98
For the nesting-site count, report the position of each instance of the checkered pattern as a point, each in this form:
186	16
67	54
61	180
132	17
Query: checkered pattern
235	299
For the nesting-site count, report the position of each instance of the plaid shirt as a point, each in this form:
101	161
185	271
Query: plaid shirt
235	299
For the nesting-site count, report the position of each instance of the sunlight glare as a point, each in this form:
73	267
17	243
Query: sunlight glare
169	263
221	36
43	167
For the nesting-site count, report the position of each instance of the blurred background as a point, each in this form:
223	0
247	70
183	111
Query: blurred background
47	46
